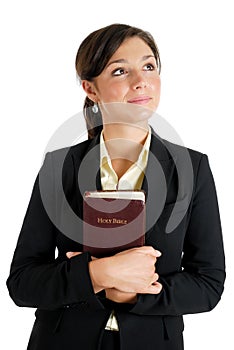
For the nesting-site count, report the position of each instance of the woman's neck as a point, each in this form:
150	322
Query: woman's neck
124	142
134	133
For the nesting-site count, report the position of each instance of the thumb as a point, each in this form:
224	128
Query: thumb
155	288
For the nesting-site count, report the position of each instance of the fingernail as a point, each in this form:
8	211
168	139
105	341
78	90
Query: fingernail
158	253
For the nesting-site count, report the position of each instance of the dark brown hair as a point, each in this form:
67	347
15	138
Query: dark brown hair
93	55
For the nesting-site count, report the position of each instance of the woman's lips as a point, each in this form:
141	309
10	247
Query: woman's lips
141	100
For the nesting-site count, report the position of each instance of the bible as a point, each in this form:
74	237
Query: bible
113	221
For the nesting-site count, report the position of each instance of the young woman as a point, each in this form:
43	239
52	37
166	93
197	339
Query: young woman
134	299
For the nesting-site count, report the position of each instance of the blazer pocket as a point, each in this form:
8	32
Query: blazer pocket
173	326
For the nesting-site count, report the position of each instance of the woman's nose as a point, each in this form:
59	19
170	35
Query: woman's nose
139	81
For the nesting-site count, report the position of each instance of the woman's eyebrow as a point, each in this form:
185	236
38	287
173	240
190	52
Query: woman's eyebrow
122	60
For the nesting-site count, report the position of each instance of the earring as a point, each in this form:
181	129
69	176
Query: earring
95	108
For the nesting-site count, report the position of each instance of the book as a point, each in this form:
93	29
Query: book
113	221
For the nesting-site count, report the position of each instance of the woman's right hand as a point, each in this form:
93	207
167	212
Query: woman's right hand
134	270
131	271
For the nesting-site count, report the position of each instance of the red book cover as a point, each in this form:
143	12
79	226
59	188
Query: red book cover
113	221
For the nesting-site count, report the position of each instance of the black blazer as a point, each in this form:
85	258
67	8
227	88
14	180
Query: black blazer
69	314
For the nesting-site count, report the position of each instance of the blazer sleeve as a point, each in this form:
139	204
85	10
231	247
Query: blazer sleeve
36	278
199	285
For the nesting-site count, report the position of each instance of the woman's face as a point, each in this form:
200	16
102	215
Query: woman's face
130	76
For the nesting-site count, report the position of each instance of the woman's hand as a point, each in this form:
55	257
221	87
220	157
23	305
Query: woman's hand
122	297
131	271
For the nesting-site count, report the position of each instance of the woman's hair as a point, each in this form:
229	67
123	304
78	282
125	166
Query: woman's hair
93	55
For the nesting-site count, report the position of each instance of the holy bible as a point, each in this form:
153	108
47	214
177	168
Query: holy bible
113	221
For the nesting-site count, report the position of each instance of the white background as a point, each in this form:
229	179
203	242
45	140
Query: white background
39	40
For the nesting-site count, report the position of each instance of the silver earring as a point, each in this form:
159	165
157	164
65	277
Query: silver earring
95	108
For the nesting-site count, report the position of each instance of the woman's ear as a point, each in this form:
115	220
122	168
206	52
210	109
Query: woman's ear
90	90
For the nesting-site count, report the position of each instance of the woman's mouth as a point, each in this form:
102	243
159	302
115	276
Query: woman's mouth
141	100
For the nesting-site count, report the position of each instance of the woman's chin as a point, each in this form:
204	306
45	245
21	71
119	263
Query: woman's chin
122	112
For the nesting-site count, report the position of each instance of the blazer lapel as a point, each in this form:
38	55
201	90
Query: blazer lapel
157	179
89	169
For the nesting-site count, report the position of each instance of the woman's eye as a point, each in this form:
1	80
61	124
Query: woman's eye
149	66
119	71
